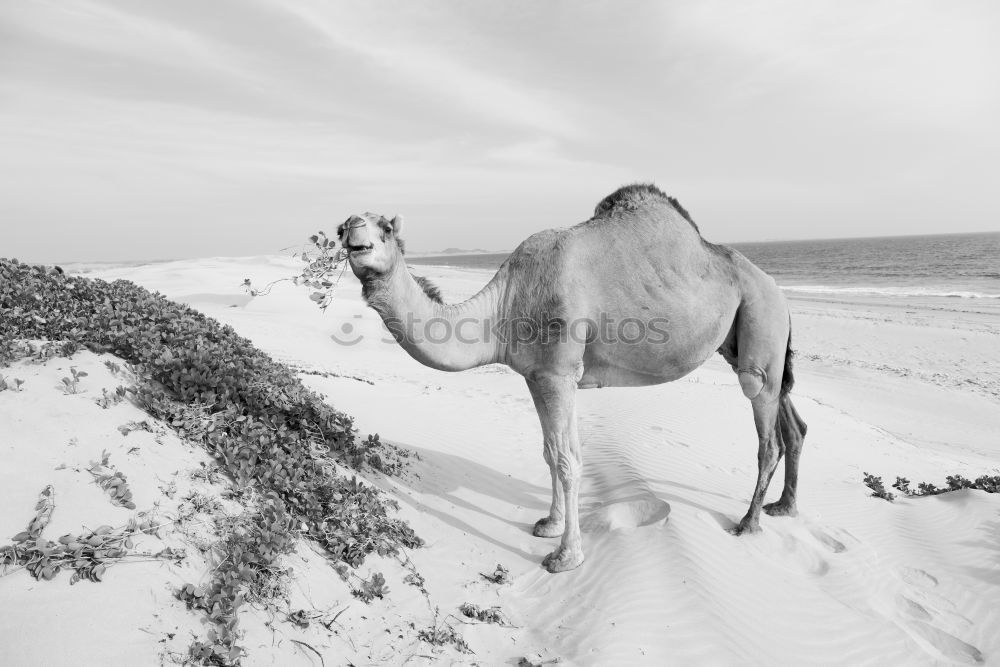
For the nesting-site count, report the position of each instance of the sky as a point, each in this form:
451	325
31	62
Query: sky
134	130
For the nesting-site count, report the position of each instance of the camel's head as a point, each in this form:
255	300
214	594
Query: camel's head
372	243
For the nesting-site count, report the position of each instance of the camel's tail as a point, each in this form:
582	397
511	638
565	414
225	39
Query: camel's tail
791	428
788	377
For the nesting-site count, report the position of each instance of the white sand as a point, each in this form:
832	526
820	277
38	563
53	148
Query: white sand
852	580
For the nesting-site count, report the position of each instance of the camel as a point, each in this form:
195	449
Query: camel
633	296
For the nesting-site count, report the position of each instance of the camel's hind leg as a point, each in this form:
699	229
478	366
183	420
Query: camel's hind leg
761	351
791	431
765	412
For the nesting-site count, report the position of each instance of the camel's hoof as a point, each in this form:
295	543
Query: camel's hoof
548	527
781	508
744	528
563	559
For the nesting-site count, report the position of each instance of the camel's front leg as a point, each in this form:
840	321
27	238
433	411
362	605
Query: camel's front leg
555	399
553	524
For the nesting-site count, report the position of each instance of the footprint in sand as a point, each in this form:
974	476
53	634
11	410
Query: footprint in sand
916	577
919	619
828	541
806	556
948	646
626	513
912	609
921	588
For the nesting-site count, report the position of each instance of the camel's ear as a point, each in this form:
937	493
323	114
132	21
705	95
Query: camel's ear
397	225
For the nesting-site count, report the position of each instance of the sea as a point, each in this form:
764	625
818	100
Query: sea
942	267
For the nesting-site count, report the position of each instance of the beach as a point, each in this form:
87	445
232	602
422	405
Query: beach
219	446
890	388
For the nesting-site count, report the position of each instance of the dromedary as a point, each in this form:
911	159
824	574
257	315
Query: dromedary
634	296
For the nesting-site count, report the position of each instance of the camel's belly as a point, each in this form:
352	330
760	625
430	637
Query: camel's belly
650	355
599	375
614	367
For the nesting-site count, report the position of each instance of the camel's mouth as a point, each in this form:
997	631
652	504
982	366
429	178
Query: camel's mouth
355	250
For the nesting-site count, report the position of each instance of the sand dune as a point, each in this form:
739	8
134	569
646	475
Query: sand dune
852	580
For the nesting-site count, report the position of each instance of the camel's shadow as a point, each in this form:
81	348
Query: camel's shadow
643	507
444	475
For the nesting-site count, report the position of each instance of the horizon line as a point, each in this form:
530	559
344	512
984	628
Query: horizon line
494	252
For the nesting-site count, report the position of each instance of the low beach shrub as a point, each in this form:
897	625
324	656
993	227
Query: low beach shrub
248	570
71	384
269	433
88	554
443	634
987	483
112	481
14	385
485	614
214	387
878	487
371	588
501	575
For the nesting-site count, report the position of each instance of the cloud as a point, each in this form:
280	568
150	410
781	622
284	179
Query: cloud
238	124
422	71
917	63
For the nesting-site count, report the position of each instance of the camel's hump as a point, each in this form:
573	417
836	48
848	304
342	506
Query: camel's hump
634	197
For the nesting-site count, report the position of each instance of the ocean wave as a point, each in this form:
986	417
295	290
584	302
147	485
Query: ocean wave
890	291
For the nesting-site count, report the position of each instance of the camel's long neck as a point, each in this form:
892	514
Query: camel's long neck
452	337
